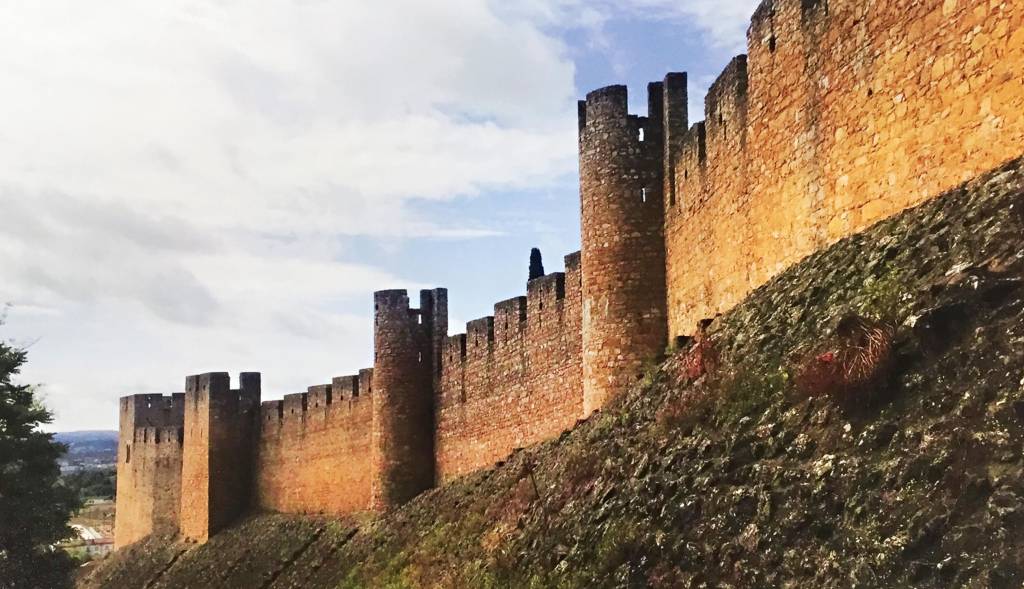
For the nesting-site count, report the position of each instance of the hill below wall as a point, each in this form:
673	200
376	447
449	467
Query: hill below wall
726	465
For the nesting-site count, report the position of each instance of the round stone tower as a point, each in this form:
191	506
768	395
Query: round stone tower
406	360
623	249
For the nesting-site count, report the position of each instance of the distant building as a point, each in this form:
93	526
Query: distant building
90	543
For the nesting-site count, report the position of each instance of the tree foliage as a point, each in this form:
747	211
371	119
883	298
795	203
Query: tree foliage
34	506
93	483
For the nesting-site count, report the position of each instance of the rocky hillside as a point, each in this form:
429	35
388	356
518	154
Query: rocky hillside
857	422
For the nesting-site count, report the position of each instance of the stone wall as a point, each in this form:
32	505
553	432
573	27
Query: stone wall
844	113
314	449
513	379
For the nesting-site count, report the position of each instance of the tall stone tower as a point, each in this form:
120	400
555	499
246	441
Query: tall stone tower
219	447
623	250
407	363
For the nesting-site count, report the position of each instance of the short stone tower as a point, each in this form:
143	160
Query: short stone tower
407	362
623	252
219	442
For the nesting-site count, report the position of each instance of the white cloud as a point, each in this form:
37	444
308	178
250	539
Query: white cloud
177	175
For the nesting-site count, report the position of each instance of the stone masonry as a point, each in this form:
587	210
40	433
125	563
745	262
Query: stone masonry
842	113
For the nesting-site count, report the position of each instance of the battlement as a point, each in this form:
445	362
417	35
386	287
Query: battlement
610	104
837	116
366	382
395	304
607	109
480	337
674	105
214	389
249	390
455	349
695	144
509	320
153	410
725	106
321	406
572	263
545	292
512	316
513	378
271	411
314	448
686	194
295	404
772	19
346	388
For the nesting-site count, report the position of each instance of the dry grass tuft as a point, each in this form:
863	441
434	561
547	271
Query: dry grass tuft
852	366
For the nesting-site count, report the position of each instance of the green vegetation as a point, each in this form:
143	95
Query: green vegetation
885	298
94	483
34	506
744	393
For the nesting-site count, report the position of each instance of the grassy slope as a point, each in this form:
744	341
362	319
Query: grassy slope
732	479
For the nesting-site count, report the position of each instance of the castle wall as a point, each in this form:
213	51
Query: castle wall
844	113
513	379
148	466
314	449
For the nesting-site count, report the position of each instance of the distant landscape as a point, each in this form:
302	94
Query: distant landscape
88	450
90	467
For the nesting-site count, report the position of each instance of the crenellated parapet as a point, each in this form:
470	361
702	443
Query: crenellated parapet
513	378
314	448
840	114
320	407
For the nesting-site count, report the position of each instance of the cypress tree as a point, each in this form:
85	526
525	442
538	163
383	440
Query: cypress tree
536	264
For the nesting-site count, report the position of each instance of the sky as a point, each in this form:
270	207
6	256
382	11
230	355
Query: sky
192	186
